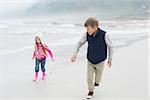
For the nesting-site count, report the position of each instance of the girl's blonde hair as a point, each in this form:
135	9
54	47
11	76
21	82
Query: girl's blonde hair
43	48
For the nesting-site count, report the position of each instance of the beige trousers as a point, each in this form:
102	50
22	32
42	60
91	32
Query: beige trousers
94	70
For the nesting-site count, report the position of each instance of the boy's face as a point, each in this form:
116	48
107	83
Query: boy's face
91	30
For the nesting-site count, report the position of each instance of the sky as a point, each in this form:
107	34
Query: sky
8	5
12	5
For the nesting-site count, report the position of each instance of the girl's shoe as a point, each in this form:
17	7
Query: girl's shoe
36	76
43	76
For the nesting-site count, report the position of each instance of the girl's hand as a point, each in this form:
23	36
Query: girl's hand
73	58
53	59
38	57
32	58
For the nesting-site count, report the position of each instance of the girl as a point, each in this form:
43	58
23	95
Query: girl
40	55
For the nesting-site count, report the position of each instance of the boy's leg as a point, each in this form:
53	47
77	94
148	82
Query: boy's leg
99	71
90	75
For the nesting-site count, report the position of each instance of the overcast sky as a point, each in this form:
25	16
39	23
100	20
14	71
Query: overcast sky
9	8
11	5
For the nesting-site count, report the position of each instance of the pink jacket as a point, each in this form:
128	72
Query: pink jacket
41	52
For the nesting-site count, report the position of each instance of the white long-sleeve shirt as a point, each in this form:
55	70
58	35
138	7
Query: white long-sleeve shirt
83	40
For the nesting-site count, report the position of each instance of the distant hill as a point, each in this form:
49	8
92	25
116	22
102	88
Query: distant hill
47	7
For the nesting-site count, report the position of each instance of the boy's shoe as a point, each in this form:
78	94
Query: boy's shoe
90	95
96	86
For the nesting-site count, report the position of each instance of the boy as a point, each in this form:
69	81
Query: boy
98	43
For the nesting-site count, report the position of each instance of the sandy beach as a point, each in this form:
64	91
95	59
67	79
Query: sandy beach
126	80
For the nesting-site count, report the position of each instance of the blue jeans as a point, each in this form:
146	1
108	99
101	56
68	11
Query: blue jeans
38	62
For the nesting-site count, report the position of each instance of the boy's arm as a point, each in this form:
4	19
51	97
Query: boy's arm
80	43
110	46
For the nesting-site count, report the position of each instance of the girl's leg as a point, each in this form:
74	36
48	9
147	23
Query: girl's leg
37	62
43	61
43	76
36	76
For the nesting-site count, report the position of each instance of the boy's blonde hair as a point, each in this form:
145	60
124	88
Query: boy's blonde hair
91	22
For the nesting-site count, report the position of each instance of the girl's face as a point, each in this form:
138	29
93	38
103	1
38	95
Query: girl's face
37	39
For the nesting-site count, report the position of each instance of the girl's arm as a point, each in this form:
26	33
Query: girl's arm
49	51
34	55
35	51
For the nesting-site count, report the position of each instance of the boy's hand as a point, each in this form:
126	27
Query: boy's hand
109	63
73	58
